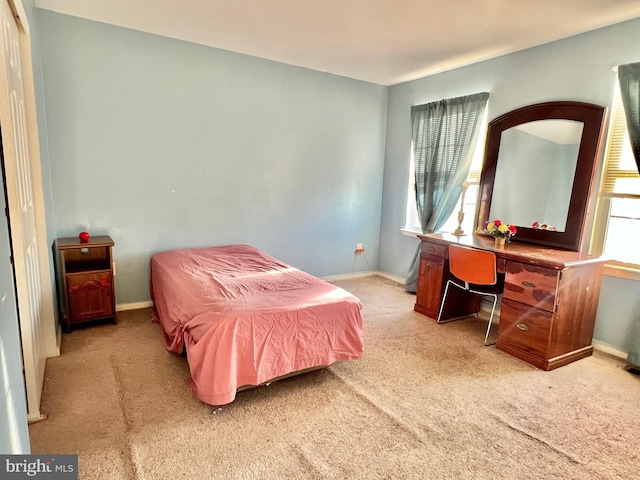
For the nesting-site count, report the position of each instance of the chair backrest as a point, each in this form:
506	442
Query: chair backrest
472	265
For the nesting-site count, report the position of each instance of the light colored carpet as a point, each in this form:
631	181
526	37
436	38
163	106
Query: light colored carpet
426	401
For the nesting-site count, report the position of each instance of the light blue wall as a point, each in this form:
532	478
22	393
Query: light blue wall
166	144
578	68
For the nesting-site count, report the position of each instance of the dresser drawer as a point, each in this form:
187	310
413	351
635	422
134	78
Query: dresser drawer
531	284
433	249
524	327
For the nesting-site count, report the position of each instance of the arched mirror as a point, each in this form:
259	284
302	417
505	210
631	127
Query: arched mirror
538	171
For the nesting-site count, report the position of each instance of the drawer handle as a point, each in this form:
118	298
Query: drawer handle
522	326
528	284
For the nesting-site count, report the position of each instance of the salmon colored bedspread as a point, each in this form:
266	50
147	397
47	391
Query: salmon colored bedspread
246	318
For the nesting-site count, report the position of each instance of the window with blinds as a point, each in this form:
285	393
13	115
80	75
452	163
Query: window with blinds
617	226
620	177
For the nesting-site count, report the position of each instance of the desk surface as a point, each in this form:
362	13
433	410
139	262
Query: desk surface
529	253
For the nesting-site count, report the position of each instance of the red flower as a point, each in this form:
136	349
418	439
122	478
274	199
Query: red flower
513	229
497	223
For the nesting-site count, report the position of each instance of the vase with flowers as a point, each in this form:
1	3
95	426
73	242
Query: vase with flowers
501	232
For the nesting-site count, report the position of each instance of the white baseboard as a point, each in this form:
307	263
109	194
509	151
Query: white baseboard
334	278
603	347
349	276
133	306
485	307
393	278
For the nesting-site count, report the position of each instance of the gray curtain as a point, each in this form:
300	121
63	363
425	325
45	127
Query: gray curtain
634	342
443	134
629	78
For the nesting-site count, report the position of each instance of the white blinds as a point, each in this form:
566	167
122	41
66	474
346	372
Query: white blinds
620	177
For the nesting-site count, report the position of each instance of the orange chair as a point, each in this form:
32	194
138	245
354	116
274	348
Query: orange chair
477	273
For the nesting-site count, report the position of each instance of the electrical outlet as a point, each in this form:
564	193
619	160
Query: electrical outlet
359	248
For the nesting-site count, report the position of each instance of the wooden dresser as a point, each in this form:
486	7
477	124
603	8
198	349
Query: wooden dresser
550	297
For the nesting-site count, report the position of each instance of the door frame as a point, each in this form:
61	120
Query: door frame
49	341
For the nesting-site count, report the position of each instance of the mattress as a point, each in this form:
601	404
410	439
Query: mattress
245	318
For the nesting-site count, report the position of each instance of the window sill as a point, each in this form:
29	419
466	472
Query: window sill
622	270
410	233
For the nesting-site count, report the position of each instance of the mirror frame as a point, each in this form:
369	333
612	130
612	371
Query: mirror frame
593	117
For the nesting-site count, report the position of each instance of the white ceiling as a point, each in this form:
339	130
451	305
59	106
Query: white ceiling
380	41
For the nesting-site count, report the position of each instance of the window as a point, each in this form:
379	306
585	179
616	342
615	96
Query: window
617	226
469	196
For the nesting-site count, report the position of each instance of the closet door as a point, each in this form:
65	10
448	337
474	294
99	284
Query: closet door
14	438
22	215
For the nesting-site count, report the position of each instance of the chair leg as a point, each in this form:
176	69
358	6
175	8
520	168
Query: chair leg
444	298
493	309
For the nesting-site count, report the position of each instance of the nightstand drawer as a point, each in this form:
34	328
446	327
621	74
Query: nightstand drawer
433	249
524	327
531	284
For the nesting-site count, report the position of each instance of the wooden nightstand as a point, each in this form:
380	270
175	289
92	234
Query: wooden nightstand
86	290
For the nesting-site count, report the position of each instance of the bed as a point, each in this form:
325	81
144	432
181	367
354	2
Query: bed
245	318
